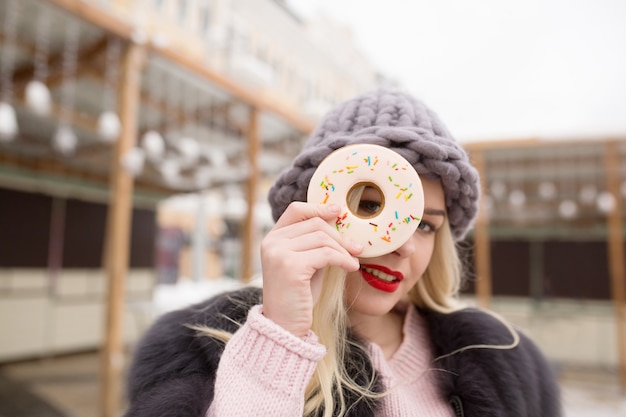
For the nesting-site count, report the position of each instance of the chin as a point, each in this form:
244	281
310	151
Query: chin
372	305
362	298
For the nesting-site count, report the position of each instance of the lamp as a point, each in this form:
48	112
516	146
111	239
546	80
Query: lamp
64	139
37	92
605	202
109	124
133	161
8	119
568	209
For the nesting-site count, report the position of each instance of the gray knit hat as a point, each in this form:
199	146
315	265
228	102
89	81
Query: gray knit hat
397	121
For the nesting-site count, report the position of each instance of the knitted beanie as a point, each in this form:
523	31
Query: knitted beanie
397	121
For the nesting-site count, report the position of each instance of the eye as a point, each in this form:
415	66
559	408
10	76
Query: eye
426	227
368	207
371	202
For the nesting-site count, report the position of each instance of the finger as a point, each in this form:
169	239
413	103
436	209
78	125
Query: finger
299	211
319	258
287	254
315	239
305	226
318	239
311	226
314	228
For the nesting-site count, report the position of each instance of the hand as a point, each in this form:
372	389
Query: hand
293	256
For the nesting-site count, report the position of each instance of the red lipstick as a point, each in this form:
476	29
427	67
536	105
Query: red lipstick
388	282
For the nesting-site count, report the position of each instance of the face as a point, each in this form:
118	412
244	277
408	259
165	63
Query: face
385	280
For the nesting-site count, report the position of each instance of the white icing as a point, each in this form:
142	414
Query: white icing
396	178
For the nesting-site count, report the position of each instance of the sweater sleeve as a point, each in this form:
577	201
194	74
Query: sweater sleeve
264	370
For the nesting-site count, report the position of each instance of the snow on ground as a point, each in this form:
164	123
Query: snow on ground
585	396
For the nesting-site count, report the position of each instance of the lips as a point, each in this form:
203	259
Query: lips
381	277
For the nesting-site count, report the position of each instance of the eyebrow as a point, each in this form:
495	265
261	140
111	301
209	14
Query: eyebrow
435	212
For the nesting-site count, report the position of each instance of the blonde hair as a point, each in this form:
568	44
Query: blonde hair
439	286
436	290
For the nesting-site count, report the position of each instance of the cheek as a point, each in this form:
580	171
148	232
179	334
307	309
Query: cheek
422	256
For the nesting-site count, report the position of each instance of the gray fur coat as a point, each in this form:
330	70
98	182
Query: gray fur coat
173	370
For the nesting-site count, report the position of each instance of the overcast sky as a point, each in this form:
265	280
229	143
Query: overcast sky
500	69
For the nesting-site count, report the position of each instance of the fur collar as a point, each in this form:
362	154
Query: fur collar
478	382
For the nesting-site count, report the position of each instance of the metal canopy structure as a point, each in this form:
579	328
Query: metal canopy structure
211	129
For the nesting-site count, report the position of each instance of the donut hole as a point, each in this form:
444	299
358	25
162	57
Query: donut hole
365	200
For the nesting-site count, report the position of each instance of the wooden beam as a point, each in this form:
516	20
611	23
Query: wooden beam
504	143
86	56
615	246
482	249
87	67
117	246
43	165
203	116
247	96
96	16
249	232
125	30
79	119
171	114
19	43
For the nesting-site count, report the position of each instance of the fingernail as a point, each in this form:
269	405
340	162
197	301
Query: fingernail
333	208
356	245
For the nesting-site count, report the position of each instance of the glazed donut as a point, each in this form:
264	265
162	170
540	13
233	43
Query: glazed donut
400	188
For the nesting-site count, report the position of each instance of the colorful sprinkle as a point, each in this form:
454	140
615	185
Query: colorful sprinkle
339	224
326	184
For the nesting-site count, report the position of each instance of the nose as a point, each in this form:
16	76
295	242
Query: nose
407	249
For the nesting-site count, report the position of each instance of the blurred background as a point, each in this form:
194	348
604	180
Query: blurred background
138	139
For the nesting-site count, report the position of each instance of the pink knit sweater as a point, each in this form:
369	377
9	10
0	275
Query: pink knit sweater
264	371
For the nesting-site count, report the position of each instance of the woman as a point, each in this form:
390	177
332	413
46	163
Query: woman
324	337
